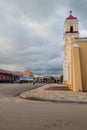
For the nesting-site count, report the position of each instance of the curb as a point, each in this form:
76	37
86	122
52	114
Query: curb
56	100
68	100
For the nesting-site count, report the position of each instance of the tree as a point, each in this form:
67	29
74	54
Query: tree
52	78
61	78
45	80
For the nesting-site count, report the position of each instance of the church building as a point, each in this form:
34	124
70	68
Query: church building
75	56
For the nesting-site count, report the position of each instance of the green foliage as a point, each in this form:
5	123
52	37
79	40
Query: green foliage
45	79
52	78
61	78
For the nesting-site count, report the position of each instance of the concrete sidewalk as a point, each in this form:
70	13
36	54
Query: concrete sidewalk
55	93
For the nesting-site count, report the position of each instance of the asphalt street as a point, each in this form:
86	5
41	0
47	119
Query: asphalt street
12	90
20	114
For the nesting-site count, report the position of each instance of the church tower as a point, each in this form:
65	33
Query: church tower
71	27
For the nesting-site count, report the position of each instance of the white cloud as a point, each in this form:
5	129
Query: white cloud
83	33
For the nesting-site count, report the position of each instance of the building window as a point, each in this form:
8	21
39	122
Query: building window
71	29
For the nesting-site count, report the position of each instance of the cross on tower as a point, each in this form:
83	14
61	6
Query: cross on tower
70	12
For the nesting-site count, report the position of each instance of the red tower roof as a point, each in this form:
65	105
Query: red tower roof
71	16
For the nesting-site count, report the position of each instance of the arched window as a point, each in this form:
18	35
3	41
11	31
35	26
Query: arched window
71	29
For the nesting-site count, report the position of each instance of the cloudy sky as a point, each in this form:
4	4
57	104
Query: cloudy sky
31	33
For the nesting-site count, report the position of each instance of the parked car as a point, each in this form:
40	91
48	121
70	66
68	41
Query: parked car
17	81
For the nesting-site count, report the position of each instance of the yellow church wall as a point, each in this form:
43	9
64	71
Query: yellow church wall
76	70
72	70
78	64
83	62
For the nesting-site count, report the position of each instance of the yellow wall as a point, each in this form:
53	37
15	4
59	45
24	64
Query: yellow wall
83	63
78	64
76	70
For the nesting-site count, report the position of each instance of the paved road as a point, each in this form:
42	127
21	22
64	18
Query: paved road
11	90
20	114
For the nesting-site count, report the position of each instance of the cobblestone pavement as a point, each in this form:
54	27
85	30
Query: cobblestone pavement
55	92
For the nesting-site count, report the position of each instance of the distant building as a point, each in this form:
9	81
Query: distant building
7	76
27	72
26	76
75	56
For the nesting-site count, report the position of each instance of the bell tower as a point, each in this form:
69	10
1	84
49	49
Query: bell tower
71	27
